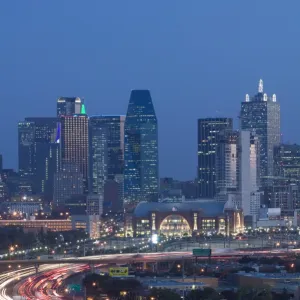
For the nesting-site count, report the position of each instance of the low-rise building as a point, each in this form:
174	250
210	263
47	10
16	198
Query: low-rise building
183	219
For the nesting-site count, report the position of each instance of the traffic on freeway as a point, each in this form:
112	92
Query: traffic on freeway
45	284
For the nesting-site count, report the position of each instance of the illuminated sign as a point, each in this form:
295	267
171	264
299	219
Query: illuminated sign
154	239
118	272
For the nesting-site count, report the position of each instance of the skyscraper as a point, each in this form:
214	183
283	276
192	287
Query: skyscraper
208	139
74	143
67	106
106	152
68	181
141	175
261	115
46	154
98	157
227	164
248	176
26	149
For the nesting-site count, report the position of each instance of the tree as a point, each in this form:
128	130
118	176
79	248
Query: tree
163	294
250	293
229	295
206	294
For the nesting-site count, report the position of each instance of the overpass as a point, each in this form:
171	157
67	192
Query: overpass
142	258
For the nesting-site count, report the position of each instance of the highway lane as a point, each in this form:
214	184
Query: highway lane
37	284
44	286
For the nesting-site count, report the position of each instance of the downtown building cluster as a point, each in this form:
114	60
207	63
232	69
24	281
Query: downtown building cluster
84	165
250	168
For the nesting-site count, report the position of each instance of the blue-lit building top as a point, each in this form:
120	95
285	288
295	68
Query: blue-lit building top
141	149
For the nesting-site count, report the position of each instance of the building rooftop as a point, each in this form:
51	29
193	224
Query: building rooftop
209	208
282	276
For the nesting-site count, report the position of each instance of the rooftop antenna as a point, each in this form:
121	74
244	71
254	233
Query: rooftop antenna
261	86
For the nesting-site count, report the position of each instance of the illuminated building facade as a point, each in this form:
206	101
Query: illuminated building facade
75	143
51	225
184	219
141	176
208	139
261	115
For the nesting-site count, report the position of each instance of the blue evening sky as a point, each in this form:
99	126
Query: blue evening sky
199	59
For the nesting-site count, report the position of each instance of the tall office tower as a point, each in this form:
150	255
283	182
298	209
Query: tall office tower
75	143
46	153
284	191
227	164
26	150
287	161
141	176
107	152
68	181
98	157
261	114
67	106
248	160
208	139
1	163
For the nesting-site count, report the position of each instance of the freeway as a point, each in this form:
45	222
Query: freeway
148	257
17	275
44	285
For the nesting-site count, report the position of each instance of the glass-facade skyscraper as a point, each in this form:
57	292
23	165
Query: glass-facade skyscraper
261	114
141	174
208	140
98	157
106	137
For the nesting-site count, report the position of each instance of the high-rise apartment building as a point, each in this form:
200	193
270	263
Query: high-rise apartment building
261	114
75	143
107	153
68	106
141	176
208	139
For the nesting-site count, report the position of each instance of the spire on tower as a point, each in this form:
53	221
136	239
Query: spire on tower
261	86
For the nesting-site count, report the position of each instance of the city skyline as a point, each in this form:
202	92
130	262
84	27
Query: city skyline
82	104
